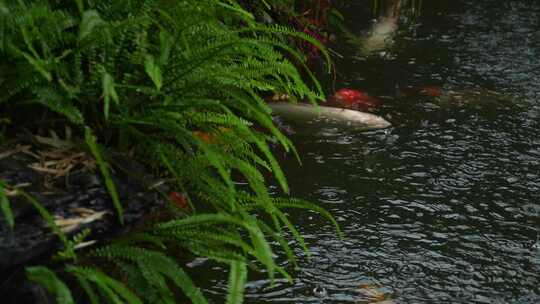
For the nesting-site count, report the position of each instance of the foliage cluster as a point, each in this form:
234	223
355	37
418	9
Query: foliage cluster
316	18
181	84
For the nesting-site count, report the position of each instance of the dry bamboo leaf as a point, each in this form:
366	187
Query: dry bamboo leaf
54	142
85	244
82	211
18	149
70	224
43	169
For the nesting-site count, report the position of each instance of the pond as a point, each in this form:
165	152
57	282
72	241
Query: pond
444	207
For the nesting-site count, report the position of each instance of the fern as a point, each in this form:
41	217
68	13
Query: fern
155	268
237	279
5	206
94	148
301	204
54	101
112	290
45	215
181	84
68	253
51	283
262	248
85	285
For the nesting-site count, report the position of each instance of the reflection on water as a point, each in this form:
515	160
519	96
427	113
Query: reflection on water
445	206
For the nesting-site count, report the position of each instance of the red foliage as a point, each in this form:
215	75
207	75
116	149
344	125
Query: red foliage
179	200
313	21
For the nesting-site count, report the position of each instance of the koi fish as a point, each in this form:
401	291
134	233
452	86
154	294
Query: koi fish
355	99
430	91
309	114
371	294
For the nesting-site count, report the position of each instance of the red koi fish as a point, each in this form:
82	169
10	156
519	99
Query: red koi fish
179	200
355	99
431	91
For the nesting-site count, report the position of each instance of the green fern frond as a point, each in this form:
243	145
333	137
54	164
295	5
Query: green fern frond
221	255
5	207
191	76
144	238
263	252
68	252
297	236
85	285
237	281
45	215
56	102
282	242
282	203
219	236
138	282
91	21
94	148
306	205
113	290
48	279
156	266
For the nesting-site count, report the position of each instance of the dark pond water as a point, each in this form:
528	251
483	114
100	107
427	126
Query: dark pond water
445	206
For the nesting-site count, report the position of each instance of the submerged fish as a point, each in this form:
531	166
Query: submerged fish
429	90
455	96
382	32
371	294
381	35
309	114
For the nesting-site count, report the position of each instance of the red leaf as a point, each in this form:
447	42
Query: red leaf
179	199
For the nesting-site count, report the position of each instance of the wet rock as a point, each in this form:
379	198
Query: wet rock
66	198
17	290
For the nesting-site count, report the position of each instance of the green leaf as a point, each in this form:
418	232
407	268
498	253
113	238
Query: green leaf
39	64
110	287
103	168
6	208
237	281
90	21
306	205
154	267
165	46
109	92
92	296
118	287
48	279
80	5
153	71
45	215
235	7
50	98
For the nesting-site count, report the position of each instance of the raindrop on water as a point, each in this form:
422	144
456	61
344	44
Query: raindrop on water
320	292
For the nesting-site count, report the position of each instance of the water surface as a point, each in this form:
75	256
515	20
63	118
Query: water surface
445	206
